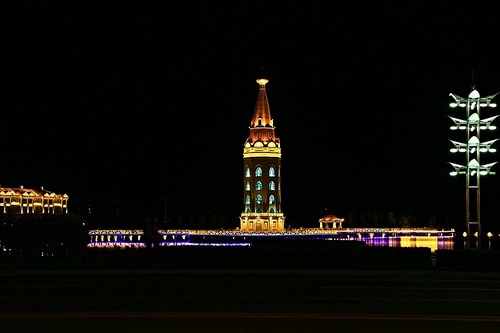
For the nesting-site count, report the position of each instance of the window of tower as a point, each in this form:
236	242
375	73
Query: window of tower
247	186
272	186
247	172
272	172
271	199
258	172
258	199
247	200
258	185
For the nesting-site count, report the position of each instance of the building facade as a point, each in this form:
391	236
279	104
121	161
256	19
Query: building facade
262	171
20	200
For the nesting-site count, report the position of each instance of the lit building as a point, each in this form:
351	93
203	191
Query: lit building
22	200
262	171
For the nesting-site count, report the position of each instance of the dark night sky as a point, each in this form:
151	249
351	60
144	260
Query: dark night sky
112	97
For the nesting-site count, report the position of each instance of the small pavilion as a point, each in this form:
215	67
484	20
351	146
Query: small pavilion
330	222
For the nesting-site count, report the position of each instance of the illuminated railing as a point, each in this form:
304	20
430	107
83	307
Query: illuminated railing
392	237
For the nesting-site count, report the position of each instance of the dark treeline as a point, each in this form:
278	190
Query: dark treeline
119	214
138	213
29	238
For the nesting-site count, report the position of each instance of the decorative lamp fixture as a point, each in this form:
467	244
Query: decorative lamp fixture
473	147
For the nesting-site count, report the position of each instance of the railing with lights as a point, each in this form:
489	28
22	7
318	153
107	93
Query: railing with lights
391	237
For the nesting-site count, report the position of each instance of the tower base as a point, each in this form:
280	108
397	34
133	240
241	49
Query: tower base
262	222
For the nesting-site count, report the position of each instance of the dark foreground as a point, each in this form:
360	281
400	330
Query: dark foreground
286	288
242	300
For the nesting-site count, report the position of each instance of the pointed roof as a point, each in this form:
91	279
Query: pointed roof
331	218
262	113
262	124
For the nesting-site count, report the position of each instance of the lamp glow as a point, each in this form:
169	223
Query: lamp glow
473	147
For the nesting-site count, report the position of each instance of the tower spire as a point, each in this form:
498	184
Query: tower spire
262	124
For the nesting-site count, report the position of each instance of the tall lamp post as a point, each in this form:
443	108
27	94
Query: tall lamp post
473	147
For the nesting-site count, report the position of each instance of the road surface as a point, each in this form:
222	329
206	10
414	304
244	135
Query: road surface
282	301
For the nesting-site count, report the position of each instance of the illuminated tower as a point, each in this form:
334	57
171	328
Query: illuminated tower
262	171
473	146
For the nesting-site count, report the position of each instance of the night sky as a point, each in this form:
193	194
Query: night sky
109	98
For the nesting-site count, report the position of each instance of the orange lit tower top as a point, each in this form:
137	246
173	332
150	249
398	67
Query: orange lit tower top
262	171
261	126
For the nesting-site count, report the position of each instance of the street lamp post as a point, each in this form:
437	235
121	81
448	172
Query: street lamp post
472	148
465	239
489	234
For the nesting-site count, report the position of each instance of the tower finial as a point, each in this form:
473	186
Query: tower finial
261	25
261	63
473	84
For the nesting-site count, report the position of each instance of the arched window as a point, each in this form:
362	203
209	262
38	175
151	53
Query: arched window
272	186
247	200
272	172
258	185
258	172
271	199
247	186
247	172
258	204
258	199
